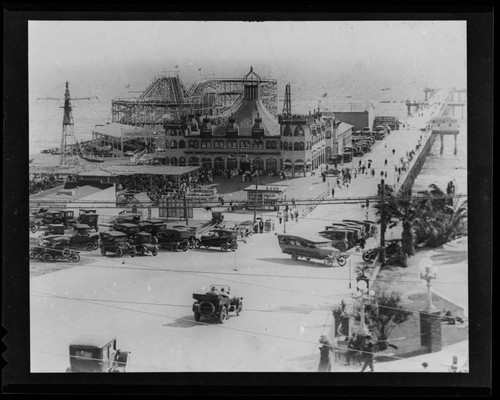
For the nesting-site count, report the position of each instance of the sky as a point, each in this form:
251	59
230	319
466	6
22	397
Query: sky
432	49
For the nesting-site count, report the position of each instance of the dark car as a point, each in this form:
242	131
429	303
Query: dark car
217	217
144	245
89	217
116	242
174	239
311	248
193	240
216	303
128	228
332	172
346	157
96	353
55	229
65	217
154	228
127	218
225	239
392	248
34	223
336	159
39	213
82	237
54	248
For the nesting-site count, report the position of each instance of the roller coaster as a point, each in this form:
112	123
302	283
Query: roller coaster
166	98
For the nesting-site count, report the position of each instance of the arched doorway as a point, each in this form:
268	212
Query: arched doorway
232	163
182	161
206	162
219	163
271	164
194	162
245	165
299	167
173	161
258	163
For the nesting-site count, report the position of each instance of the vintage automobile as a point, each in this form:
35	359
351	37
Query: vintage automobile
370	227
82	237
340	238
128	228
245	228
332	172
174	239
116	242
217	217
311	248
154	228
126	218
65	217
89	217
392	247
39	213
346	157
216	303
193	240
54	248
96	353
335	159
143	244
35	223
225	239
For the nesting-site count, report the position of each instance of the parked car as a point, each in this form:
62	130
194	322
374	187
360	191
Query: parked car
144	245
126	218
340	238
154	228
392	247
39	213
116	242
370	226
346	157
332	172
54	248
82	237
174	239
224	238
35	223
128	228
96	353
217	217
90	218
336	159
65	217
216	303
193	240
311	248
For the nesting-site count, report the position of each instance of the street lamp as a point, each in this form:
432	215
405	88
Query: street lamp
427	273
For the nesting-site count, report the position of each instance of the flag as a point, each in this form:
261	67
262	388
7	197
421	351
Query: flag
325	95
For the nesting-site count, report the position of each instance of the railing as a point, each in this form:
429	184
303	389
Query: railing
317	202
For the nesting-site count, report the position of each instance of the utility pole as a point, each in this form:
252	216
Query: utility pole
185	209
382	223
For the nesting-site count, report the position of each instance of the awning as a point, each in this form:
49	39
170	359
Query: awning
287	162
299	162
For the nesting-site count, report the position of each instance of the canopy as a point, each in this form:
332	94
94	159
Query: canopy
150	170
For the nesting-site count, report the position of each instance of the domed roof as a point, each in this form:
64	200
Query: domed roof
252	78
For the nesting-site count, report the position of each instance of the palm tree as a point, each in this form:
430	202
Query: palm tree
401	209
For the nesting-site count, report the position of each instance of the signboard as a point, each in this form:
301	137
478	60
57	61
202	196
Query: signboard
175	208
391	121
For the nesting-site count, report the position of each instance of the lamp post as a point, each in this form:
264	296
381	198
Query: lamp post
365	294
430	316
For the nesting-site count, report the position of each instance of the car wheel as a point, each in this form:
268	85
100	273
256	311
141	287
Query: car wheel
89	246
47	257
132	252
223	246
328	261
154	252
342	246
234	245
342	261
33	255
294	255
222	315
66	253
197	243
103	251
174	247
141	251
366	256
75	257
110	228
33	229
240	306
185	245
197	316
119	252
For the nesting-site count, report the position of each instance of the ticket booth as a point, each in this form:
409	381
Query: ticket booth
264	197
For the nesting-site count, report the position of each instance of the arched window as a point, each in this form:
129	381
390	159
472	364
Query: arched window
287	131
221	144
182	161
196	144
298	131
242	144
166	144
209	144
296	146
182	145
328	134
190	144
219	163
206	162
270	144
271	164
285	145
203	144
193	162
166	161
301	145
258	163
328	124
173	161
173	144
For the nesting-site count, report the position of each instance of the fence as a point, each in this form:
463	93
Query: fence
317	201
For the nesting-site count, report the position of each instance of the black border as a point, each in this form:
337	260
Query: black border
15	303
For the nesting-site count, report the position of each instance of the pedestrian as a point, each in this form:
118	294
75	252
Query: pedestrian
325	364
385	174
352	350
261	226
222	201
296	215
385	162
333	193
393	150
373	172
280	216
368	353
291	215
382	174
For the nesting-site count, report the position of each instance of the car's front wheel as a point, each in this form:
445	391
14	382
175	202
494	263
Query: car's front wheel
75	258
328	261
47	257
154	252
222	315
223	246
294	255
342	261
119	252
341	246
89	246
197	243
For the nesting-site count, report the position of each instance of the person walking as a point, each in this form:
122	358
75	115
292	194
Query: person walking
394	150
325	365
280	217
368	353
385	162
333	193
296	215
